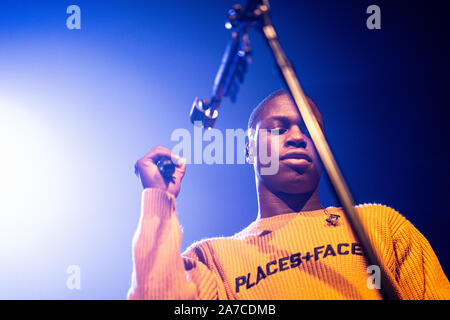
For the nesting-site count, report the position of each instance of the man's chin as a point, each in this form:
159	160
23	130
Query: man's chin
297	182
296	189
291	181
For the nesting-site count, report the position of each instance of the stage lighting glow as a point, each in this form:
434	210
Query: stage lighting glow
31	165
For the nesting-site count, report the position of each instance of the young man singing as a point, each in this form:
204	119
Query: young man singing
295	249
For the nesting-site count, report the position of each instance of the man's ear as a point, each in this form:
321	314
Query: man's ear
250	146
249	153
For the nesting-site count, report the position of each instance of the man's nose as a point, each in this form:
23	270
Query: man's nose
296	138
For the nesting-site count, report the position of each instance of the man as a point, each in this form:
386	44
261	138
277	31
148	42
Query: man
295	249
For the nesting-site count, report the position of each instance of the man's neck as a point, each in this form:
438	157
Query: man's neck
276	203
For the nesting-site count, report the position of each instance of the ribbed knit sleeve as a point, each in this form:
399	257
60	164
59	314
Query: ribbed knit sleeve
419	272
159	270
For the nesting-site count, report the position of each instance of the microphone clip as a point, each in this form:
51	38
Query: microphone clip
333	220
235	60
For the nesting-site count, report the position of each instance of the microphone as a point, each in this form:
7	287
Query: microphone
233	66
166	167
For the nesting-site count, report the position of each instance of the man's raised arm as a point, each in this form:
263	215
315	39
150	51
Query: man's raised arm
158	267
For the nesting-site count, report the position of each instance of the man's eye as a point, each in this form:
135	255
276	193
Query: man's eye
278	131
304	130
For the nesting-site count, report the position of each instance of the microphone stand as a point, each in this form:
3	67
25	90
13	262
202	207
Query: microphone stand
323	149
257	13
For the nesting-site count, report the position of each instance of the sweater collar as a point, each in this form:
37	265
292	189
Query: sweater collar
265	225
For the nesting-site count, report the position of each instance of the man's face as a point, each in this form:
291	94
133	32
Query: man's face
299	167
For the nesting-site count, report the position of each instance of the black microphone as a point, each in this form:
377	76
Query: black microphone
233	66
166	167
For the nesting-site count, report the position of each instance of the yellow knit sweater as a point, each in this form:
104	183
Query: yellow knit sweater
289	256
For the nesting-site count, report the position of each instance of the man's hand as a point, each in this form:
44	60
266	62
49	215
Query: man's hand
150	175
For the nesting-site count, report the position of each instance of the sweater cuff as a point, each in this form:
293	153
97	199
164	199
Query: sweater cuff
157	202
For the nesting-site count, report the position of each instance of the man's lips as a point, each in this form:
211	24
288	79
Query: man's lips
296	155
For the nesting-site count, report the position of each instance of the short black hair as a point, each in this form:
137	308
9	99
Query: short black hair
254	116
257	111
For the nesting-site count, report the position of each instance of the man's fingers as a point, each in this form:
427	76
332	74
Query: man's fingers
158	152
180	168
155	155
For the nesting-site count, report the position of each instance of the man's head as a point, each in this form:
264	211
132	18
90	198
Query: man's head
279	128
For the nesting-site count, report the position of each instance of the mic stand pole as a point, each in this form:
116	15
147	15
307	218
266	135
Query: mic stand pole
330	164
